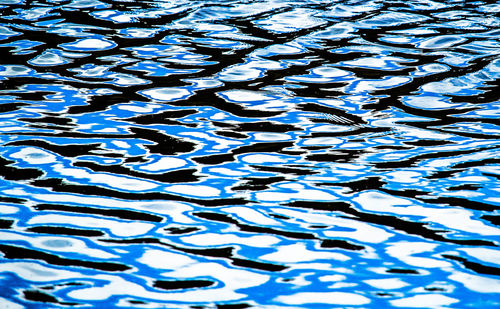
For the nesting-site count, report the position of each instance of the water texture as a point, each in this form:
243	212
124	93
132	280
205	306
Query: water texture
234	154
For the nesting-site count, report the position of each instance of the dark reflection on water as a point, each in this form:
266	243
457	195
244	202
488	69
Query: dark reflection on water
233	154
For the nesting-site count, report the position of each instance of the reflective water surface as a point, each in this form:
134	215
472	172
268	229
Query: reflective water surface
234	154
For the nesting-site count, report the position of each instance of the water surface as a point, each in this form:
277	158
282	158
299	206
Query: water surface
234	154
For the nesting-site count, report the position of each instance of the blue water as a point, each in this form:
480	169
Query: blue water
238	154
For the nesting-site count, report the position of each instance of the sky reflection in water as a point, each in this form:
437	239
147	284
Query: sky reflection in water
257	154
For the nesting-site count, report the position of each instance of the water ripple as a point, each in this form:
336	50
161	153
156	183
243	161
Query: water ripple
249	154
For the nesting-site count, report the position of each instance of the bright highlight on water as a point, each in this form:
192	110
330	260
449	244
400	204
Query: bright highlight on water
249	154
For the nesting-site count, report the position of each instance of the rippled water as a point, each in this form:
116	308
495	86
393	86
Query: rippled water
234	154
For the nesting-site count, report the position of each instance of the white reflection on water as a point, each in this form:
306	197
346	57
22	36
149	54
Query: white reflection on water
7	210
7	304
300	193
323	140
272	137
90	44
297	253
291	21
452	218
262	158
220	143
250	214
34	156
227	171
167	94
15	70
219	239
340	227
330	298
424	301
157	259
483	254
438	42
392	19
35	272
170	209
387	284
120	182
233	279
405	252
164	163
245	96
6	32
194	190
429	102
115	227
58	244
477	283
50	57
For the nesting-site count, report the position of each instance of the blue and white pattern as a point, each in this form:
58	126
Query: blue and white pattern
237	154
